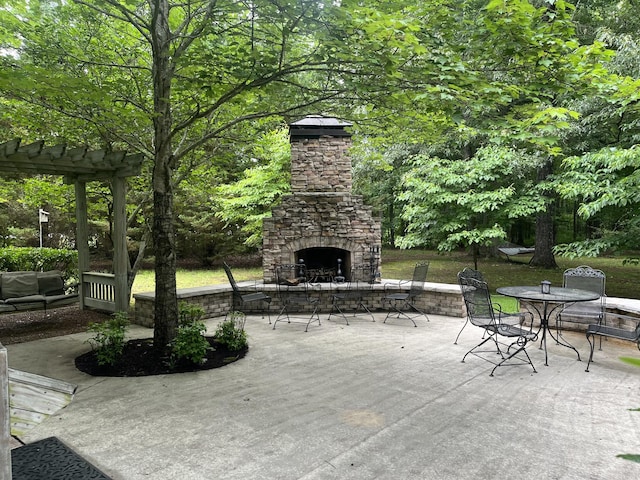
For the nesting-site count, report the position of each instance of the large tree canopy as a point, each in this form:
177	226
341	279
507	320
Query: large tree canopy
175	79
495	85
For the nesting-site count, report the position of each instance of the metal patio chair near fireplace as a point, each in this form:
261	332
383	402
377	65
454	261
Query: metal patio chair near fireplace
294	294
403	304
244	297
350	294
496	324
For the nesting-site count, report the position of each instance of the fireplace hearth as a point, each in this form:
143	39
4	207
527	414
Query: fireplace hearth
321	223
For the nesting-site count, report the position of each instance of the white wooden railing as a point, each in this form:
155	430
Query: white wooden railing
98	291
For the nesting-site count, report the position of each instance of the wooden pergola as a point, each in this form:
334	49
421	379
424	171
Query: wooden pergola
79	166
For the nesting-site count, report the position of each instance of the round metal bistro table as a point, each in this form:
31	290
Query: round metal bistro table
546	304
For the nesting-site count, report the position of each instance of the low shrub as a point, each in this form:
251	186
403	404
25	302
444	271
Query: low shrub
108	341
190	343
231	332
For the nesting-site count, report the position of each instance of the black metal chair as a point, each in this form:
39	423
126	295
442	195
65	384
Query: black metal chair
592	280
482	313
403	303
293	291
242	297
627	334
467	273
350	294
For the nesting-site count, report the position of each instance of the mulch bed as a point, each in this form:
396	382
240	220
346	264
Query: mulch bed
139	357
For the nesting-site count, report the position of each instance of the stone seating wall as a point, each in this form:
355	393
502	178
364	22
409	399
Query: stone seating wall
216	300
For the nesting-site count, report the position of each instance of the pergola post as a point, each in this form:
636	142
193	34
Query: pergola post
5	417
120	255
82	234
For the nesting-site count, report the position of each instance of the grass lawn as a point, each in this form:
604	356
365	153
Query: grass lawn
622	280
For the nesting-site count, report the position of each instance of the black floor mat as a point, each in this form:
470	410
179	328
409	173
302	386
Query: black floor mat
50	459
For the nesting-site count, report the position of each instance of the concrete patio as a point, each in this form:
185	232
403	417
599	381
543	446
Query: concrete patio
364	401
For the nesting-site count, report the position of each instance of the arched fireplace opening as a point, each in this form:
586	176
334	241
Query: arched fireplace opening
325	264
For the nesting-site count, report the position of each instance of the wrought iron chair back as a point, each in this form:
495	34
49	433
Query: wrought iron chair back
240	297
361	277
232	280
467	273
419	279
403	303
584	277
477	299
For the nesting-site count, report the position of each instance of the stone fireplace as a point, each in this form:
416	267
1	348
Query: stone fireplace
321	223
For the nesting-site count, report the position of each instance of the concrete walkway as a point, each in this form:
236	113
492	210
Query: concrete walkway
365	401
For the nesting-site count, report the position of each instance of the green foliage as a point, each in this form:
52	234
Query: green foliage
189	313
467	202
245	203
606	182
631	361
377	176
14	259
190	343
108	341
527	76
231	333
634	457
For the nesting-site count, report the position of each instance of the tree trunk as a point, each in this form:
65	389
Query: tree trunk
166	298
543	256
392	225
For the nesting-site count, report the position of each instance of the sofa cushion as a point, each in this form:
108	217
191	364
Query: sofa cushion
19	284
50	283
26	299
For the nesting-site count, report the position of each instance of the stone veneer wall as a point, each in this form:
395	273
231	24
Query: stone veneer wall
216	300
321	165
317	221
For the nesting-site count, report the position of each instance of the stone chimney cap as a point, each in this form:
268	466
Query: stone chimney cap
314	126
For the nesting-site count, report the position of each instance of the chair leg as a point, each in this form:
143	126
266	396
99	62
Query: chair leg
490	337
516	352
335	306
268	311
592	344
366	309
393	305
283	311
317	315
458	336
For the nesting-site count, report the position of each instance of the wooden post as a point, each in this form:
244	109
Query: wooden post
5	417
120	255
82	234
